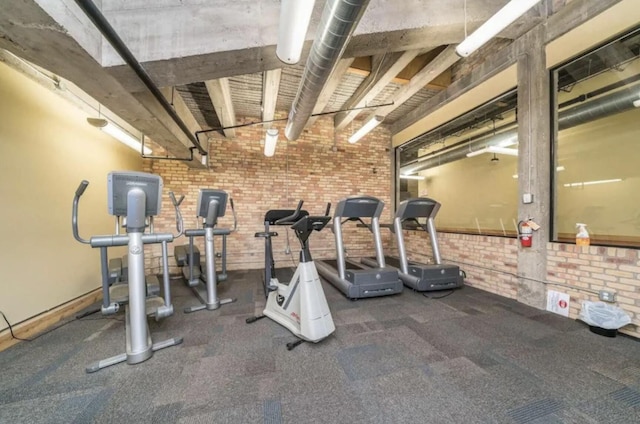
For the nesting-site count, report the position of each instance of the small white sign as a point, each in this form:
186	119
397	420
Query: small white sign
558	303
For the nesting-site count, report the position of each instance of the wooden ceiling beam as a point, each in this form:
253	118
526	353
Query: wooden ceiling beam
362	66
220	95
270	94
386	67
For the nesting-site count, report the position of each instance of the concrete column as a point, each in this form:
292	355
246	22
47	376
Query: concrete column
534	164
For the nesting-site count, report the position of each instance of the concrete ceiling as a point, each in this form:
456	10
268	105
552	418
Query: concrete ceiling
215	59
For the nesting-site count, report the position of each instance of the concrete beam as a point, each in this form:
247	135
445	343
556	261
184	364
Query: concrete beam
175	98
340	69
572	15
158	31
29	32
180	54
220	94
270	94
385	68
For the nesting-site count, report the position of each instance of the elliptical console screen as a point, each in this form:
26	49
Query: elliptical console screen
206	196
119	184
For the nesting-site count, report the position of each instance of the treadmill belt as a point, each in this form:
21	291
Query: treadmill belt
347	264
392	261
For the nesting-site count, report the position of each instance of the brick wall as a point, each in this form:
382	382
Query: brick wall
491	264
583	271
307	169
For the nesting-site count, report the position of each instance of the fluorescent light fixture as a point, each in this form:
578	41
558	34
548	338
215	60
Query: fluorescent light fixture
493	149
412	177
503	18
294	22
270	140
371	124
586	183
119	134
511	141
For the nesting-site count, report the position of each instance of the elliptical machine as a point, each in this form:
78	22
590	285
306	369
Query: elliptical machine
211	206
300	306
138	196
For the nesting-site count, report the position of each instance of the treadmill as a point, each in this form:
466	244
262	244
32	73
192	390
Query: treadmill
421	277
352	278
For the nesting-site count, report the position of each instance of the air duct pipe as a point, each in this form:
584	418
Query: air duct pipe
610	104
339	19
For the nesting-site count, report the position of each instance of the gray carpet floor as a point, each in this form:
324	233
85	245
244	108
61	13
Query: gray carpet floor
470	357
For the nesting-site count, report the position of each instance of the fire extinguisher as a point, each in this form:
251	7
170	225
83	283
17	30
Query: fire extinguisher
525	234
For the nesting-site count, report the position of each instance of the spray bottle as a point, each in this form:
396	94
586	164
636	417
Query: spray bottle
582	237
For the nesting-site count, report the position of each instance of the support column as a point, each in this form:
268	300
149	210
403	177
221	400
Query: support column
534	165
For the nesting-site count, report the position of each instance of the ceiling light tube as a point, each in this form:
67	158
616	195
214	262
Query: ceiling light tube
493	149
371	124
270	141
503	150
503	18
412	177
586	183
478	152
119	134
292	31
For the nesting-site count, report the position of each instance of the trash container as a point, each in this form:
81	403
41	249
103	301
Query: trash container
603	318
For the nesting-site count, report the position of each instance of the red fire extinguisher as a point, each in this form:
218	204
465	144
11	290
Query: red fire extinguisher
525	234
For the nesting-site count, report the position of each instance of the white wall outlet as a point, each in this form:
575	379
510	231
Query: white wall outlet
527	198
607	296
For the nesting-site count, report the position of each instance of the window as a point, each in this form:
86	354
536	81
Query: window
596	144
469	165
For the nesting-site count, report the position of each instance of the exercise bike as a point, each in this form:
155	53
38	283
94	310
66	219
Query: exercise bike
300	306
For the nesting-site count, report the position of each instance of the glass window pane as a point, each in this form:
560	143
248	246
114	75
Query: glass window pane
469	165
597	174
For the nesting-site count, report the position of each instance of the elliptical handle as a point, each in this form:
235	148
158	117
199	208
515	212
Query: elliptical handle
293	216
328	210
81	188
235	216
74	215
176	206
173	199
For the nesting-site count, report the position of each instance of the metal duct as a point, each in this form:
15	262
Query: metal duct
339	19
610	104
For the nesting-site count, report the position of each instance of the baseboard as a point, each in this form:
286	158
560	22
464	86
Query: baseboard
42	322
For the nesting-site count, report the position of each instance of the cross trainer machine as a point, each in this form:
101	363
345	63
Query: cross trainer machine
350	277
115	275
300	306
211	205
136	195
188	256
421	277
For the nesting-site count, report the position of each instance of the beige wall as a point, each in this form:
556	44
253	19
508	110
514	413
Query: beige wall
600	150
46	149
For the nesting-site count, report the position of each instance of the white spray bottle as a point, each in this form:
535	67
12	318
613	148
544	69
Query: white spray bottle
582	237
